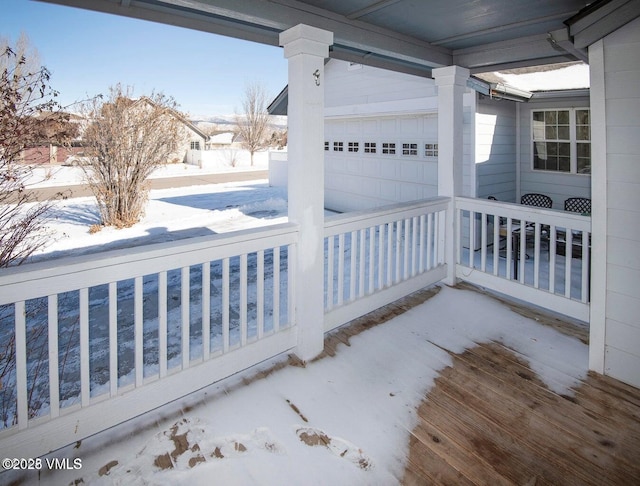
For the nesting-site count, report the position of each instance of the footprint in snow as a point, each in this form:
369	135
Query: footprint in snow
340	447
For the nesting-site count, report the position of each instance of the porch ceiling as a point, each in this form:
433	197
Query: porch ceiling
403	35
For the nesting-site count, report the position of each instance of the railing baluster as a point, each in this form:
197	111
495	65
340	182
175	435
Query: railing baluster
352	267
389	254
496	244
381	254
54	380
441	220
361	262
405	260
206	310
414	246
458	231
483	241
260	294
330	270
372	256
422	244
225	305
586	263
522	251
85	381
431	238
113	337
509	257
291	285
536	259
185	299
276	288
243	299
162	323
22	405
552	259
568	261
472	238
138	332
398	249
340	268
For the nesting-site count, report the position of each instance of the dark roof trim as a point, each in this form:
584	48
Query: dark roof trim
601	19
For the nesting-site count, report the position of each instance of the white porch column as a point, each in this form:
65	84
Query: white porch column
306	49
452	84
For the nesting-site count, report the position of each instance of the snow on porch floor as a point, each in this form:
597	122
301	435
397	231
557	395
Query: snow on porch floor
348	418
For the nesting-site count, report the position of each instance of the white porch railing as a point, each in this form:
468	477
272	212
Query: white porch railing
548	267
375	257
95	340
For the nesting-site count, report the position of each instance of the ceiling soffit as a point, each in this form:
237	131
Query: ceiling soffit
405	35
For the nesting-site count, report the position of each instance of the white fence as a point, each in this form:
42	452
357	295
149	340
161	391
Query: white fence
537	255
375	257
95	340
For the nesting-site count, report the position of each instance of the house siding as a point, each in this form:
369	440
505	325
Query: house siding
495	158
559	186
622	105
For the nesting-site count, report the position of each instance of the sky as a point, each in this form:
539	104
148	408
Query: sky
87	52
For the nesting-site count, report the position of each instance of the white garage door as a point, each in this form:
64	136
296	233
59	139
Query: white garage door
375	161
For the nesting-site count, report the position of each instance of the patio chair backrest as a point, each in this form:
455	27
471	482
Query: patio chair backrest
578	205
539	200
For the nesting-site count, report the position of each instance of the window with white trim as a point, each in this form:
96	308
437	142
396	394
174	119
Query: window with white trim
388	148
353	146
430	149
326	145
338	146
561	140
195	145
409	149
370	147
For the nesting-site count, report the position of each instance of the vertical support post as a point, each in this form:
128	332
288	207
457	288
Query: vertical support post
452	84
306	48
599	211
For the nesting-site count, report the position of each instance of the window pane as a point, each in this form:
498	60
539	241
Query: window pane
550	117
564	149
584	166
582	117
584	150
552	148
564	164
582	132
563	133
551	133
563	117
538	116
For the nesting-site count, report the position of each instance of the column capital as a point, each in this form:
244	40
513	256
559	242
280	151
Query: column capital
450	75
305	39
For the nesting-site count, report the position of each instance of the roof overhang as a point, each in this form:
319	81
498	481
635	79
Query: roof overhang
400	35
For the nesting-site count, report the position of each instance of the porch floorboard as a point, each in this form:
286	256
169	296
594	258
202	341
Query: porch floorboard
490	420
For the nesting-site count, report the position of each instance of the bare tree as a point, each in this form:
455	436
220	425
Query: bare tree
125	140
252	125
25	95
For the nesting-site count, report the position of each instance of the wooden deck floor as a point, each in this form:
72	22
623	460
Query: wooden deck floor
490	420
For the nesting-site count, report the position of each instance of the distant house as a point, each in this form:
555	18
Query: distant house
381	139
62	138
58	139
221	140
193	138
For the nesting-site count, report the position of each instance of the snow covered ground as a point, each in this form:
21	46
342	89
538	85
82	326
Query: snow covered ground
340	420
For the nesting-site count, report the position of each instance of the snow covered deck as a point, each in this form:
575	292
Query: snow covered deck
446	386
